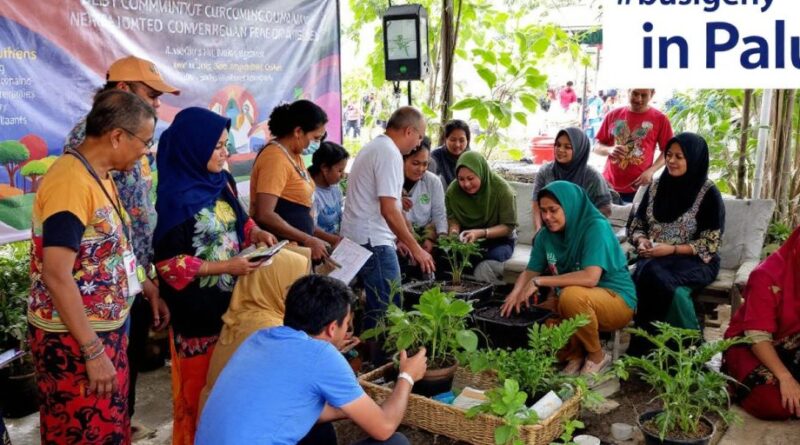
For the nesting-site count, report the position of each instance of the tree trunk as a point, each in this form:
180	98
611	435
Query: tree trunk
742	173
448	48
785	172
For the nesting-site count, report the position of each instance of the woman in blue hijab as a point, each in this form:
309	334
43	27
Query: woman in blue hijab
201	229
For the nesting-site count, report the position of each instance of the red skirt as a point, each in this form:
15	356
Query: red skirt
67	415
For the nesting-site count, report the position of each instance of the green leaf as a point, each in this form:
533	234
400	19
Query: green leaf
515	154
529	102
521	117
487	75
468	340
540	46
464	104
481	113
503	434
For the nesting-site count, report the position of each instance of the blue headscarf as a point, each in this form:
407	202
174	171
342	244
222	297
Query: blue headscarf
185	186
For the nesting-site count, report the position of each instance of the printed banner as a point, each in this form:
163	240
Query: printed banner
683	44
239	58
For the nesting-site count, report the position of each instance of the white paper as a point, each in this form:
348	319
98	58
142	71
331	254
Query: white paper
9	356
547	405
468	398
351	257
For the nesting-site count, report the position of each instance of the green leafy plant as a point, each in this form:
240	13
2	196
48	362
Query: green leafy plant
534	367
458	254
15	284
569	431
676	370
438	322
507	402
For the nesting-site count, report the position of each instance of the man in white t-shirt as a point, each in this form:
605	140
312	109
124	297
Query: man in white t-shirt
373	215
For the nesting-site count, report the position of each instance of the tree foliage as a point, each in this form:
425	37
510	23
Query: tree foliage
498	42
12	155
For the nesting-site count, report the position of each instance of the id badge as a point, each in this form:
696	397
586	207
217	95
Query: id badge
134	285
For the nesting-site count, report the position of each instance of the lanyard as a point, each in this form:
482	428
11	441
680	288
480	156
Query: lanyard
303	173
118	205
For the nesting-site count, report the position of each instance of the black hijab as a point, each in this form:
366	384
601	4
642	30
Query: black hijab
575	170
677	194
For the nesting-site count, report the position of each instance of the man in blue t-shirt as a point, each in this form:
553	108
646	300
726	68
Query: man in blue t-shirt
284	380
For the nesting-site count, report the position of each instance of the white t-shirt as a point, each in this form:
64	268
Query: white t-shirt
427	197
377	172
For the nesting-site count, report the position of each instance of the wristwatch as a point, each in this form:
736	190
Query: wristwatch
407	377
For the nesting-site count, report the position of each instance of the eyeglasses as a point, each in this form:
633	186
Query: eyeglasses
149	144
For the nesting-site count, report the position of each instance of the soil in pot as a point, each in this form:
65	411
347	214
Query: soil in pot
467	290
647	424
511	331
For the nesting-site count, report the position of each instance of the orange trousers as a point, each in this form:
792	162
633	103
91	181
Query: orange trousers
607	311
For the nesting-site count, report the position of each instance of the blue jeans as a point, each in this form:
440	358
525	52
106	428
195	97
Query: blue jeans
379	272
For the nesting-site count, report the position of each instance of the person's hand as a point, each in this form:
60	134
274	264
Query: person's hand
349	343
619	151
337	239
471	236
657	251
427	246
259	236
644	179
790	394
424	259
518	298
549	304
102	376
158	307
643	244
162	321
240	265
403	250
407	203
415	365
319	250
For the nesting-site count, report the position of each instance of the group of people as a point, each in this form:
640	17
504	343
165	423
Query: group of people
107	265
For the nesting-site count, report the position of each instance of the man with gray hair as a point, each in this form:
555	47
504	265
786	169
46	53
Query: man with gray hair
373	215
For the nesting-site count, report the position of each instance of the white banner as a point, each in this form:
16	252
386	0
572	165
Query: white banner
685	44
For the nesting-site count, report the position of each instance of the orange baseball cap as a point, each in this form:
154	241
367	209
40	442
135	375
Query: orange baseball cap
134	69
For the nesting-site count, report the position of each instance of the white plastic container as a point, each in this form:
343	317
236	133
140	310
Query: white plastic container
547	405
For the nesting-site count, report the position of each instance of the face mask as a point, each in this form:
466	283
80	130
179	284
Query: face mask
312	147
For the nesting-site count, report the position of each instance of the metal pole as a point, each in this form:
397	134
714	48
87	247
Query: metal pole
409	93
763	136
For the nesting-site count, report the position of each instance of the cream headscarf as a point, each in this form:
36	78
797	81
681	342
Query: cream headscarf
258	302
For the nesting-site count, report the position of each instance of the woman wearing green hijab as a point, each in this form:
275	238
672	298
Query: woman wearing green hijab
586	269
481	206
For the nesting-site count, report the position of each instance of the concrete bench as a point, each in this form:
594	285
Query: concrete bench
746	224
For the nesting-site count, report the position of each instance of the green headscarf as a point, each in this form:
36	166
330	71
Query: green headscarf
493	204
582	219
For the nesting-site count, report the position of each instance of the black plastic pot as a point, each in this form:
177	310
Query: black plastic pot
20	395
507	332
653	439
412	291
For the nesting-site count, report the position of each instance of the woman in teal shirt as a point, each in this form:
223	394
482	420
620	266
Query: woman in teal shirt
578	257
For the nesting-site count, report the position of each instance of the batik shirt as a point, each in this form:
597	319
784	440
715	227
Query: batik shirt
71	196
197	303
134	189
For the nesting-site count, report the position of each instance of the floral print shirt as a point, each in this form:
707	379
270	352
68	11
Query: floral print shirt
196	302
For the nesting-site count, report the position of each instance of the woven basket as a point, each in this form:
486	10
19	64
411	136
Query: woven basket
439	418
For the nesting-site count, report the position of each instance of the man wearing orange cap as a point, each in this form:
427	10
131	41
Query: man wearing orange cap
140	77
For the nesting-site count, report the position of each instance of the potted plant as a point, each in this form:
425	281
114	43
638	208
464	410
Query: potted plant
19	391
535	366
527	374
686	387
438	323
458	255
